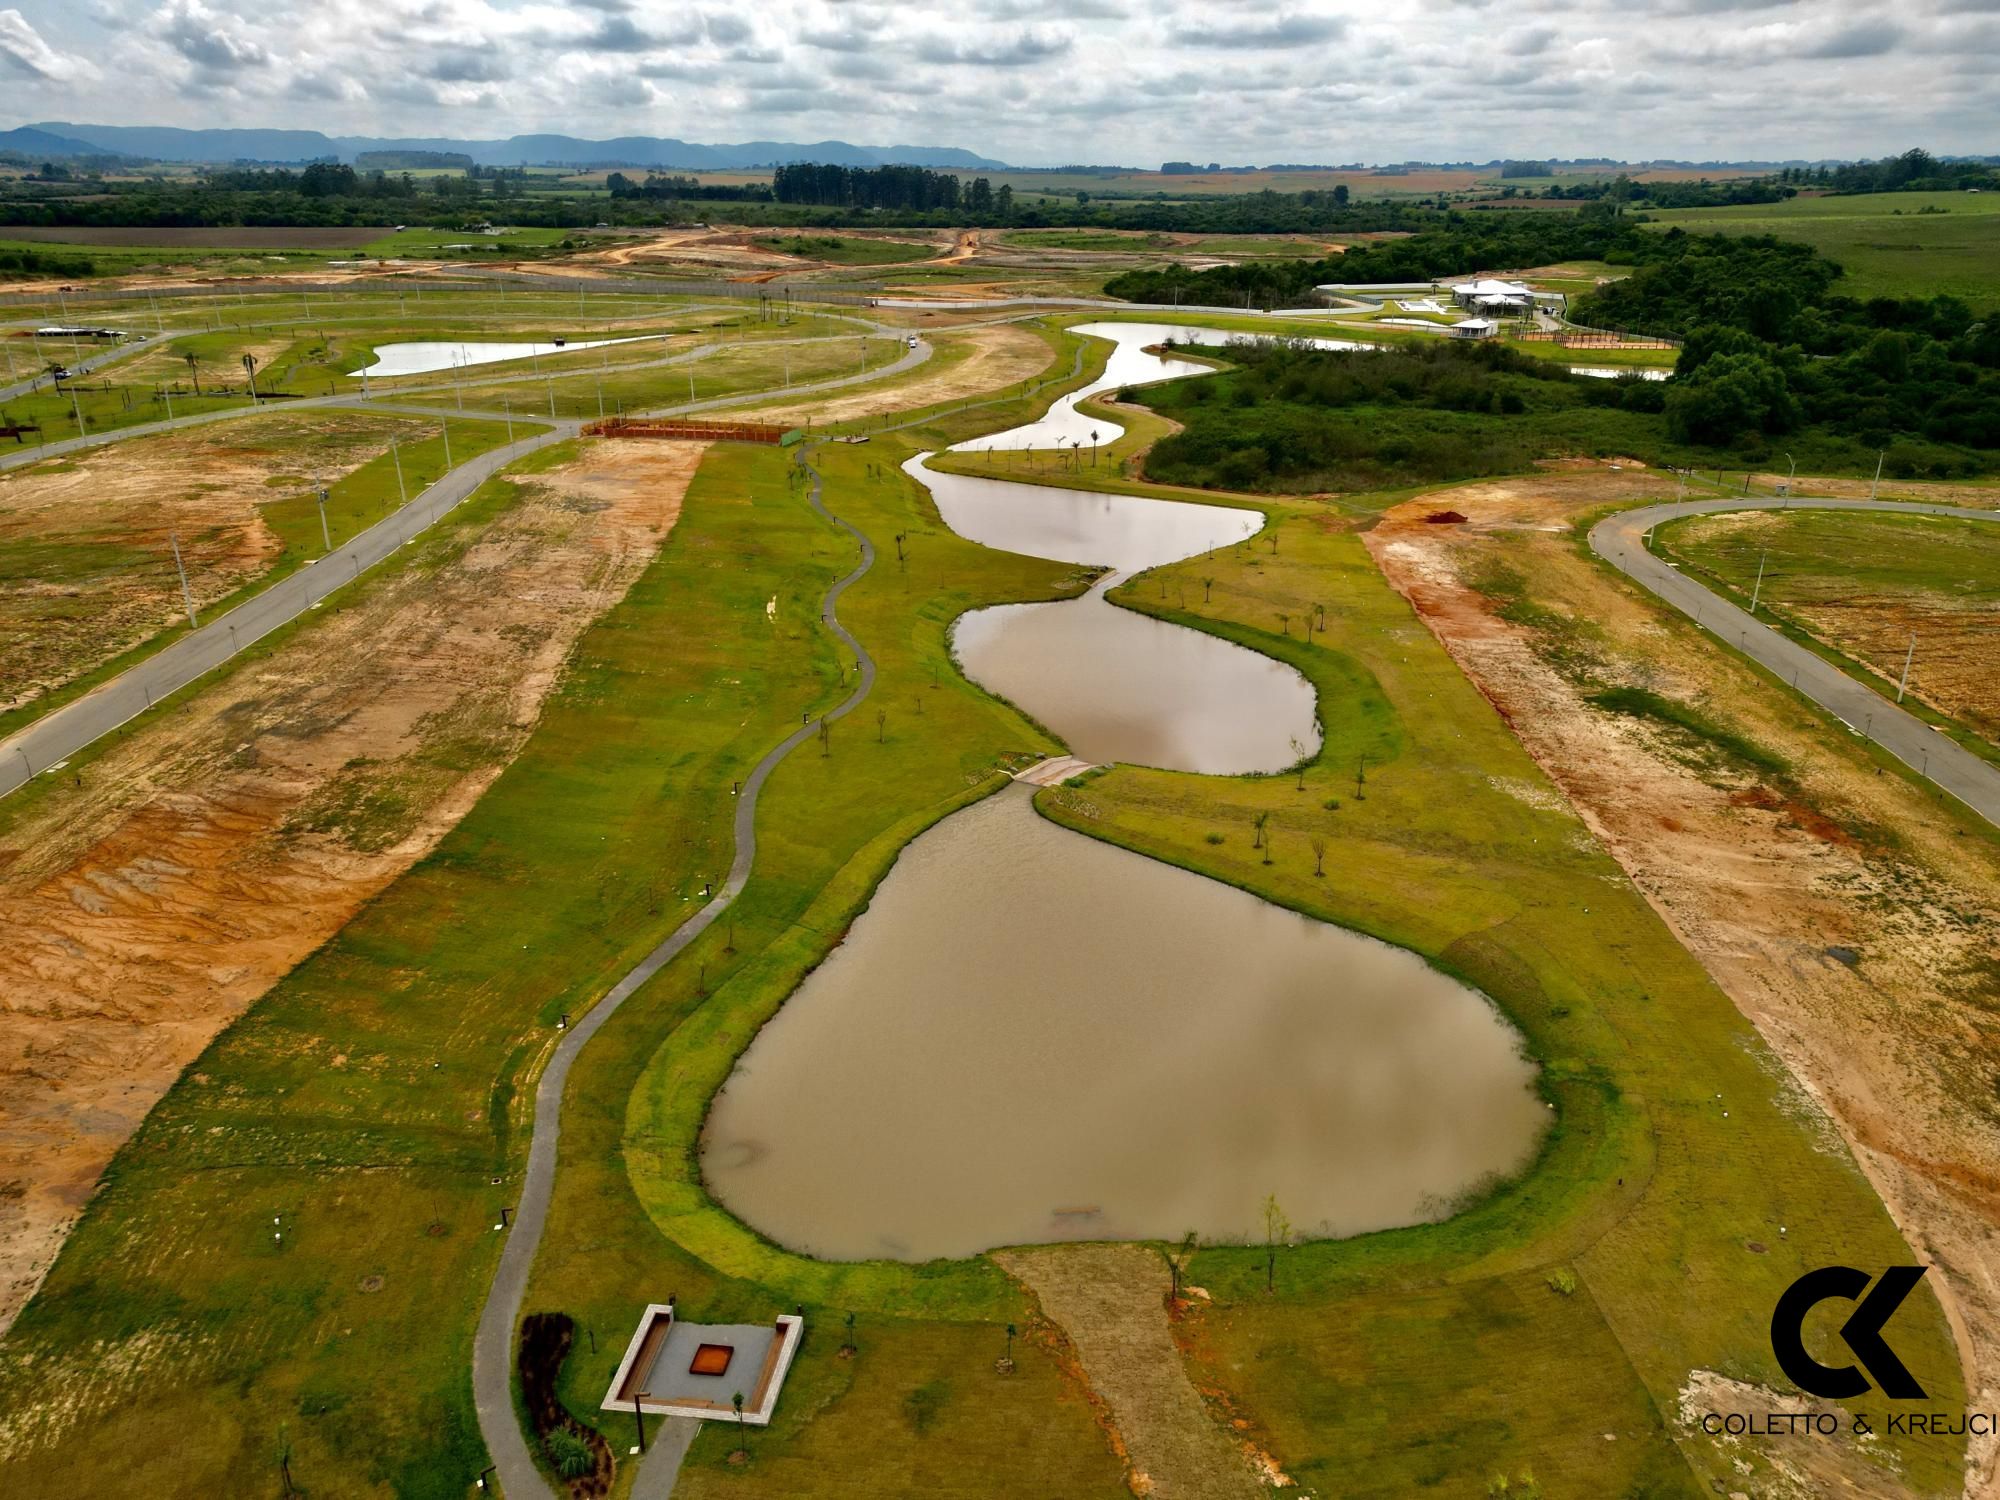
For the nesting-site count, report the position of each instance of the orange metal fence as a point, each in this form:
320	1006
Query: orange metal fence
688	430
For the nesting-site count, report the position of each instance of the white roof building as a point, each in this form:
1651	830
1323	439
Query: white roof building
1473	328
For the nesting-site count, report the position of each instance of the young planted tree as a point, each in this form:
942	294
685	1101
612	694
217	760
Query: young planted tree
1277	1231
193	362
825	738
741	1452
1177	1265
1206	585
1258	822
1319	854
881	724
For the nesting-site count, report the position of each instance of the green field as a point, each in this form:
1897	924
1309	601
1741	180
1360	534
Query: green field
377	1099
1855	586
846	250
1886	242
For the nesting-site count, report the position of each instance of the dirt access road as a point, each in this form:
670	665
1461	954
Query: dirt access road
1846	910
194	864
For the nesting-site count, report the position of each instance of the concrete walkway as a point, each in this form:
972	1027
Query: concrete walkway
492	1352
1620	540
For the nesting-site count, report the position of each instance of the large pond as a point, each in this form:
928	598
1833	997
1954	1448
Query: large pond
424	358
1031	1035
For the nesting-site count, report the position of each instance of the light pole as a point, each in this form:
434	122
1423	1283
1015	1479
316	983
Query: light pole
1759	589
250	375
1878	473
187	594
324	535
395	455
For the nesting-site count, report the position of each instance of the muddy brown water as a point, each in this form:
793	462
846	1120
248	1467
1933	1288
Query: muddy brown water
1031	1035
1117	685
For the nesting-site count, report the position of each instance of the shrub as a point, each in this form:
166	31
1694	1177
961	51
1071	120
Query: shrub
569	1455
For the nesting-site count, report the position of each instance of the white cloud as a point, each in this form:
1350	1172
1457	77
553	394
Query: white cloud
1041	80
22	50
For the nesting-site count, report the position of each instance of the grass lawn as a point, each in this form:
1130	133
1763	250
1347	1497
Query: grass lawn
846	251
1889	246
1859	588
373	1097
427	244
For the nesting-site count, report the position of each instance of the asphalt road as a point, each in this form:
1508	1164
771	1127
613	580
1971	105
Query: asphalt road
492	1350
62	732
1620	540
81	366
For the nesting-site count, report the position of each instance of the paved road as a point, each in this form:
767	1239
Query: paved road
1620	540
62	732
83	366
492	1352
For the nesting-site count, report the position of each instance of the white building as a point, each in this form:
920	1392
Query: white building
1485	295
1473	328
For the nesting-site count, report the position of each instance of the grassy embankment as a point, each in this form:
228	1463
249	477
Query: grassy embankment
1444	1351
1474	1363
851	250
373	1095
1841	583
355	501
1887	243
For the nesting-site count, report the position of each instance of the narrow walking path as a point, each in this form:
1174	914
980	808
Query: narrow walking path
1111	1301
492	1353
1621	541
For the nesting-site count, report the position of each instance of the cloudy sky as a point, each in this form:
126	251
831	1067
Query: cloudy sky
1041	82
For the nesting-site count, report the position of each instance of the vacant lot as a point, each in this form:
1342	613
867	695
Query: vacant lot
1891	244
87	570
1846	911
195	861
1874	588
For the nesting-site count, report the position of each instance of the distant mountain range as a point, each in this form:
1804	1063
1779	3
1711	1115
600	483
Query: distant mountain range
167	143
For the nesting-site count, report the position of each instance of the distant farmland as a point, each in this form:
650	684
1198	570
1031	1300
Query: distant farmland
220	237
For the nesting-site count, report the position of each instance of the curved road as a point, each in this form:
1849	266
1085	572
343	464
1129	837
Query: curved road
492	1373
63	731
1621	541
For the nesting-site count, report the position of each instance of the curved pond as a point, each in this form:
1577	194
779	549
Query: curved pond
424	358
1129	364
1117	685
1031	1035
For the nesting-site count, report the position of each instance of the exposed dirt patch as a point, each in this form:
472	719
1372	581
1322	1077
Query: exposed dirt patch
1893	1036
1110	1301
86	562
1001	355
194	864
